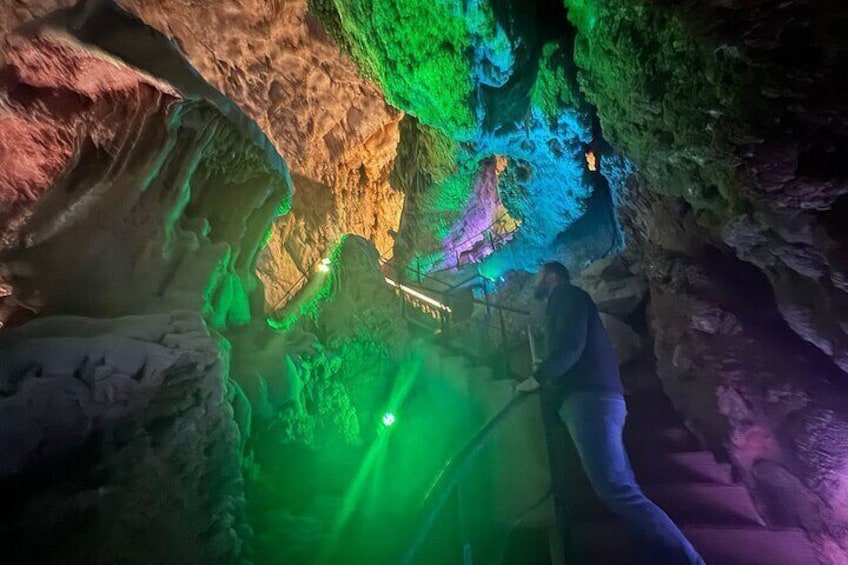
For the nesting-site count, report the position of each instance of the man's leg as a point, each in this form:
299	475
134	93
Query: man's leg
595	422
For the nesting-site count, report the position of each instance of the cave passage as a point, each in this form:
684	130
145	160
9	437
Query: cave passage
267	279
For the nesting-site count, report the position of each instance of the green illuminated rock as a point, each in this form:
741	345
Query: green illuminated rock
554	89
437	177
417	50
670	103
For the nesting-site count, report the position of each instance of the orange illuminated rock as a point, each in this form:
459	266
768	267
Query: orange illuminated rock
333	128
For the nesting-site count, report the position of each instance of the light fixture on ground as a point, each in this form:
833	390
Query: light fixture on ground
324	265
388	419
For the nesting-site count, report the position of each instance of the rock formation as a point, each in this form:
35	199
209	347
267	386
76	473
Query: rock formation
130	186
143	213
119	443
735	140
333	127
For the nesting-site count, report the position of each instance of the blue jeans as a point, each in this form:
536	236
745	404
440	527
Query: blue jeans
595	421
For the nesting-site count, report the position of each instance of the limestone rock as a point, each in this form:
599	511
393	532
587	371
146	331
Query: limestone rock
278	64
114	233
741	375
124	435
626	342
128	423
616	297
333	127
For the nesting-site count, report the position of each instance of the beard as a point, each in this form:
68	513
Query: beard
540	293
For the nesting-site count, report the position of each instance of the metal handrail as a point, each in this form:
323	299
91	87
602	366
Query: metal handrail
451	473
492	243
290	292
304	277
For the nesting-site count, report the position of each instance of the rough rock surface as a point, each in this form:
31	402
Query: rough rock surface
753	148
627	343
615	290
333	127
735	111
138	207
152	194
743	378
512	99
119	443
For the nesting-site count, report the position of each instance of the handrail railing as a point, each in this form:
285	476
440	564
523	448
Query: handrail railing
299	284
449	476
494	242
448	293
304	277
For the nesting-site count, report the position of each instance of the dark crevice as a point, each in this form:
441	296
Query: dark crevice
544	21
60	102
746	291
835	221
825	158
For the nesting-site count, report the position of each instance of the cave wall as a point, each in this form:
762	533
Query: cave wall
333	127
135	199
752	148
733	116
138	185
119	443
486	84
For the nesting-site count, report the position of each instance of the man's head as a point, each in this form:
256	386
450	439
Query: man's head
550	276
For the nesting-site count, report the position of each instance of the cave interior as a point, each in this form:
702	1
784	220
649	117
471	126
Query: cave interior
267	272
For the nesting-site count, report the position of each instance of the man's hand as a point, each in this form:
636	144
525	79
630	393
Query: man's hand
527	385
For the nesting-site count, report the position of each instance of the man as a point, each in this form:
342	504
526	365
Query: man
581	367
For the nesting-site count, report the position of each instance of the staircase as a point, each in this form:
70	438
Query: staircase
696	491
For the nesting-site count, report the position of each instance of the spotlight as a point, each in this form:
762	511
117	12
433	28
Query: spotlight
388	419
324	266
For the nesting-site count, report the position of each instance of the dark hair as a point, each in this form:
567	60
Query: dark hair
558	269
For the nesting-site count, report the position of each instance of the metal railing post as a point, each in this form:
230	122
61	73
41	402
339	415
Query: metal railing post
503	341
561	545
486	297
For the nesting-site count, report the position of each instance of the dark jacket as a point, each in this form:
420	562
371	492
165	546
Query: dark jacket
580	355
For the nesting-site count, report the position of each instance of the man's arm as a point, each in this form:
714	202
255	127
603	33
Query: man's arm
568	341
